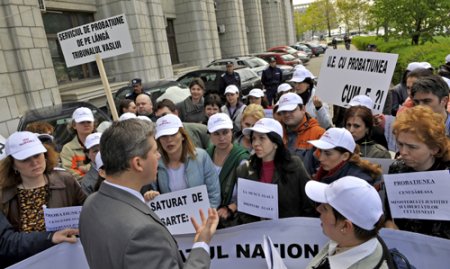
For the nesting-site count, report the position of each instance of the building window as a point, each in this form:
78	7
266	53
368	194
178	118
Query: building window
54	22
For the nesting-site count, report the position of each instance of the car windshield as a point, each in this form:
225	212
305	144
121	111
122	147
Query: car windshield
246	74
256	62
291	50
287	57
219	63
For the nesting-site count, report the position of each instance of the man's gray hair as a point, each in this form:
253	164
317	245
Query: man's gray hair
123	141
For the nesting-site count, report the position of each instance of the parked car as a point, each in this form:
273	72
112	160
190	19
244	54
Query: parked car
211	77
60	117
305	49
316	49
281	58
153	88
254	63
296	53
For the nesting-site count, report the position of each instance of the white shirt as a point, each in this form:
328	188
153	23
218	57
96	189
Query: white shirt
349	257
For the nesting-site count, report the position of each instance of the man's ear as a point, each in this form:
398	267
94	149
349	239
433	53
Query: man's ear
136	164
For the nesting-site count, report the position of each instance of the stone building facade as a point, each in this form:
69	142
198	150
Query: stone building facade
164	33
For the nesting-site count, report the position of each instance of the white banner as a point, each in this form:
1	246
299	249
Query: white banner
296	239
175	208
258	199
345	74
108	37
384	163
421	195
61	218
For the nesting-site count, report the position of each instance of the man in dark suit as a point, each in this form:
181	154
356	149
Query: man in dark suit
117	228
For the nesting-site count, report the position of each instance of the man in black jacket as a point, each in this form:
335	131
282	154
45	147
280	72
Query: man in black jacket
271	79
229	78
17	246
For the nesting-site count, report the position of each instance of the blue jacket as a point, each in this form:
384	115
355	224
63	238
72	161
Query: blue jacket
198	172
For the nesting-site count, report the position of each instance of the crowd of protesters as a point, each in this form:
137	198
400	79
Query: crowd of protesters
205	141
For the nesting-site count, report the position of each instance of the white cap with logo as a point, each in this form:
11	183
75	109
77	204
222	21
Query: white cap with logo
82	114
21	145
264	126
258	93
362	100
231	89
352	197
284	87
289	102
92	140
219	121
300	74
127	116
335	137
167	125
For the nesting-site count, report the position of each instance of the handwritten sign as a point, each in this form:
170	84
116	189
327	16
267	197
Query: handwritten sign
345	74
175	208
109	37
421	195
258	199
61	218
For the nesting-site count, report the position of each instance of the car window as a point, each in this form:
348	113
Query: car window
241	63
217	64
287	57
187	79
256	62
246	74
291	50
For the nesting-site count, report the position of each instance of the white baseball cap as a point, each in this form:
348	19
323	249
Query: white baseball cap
98	161
426	65
21	145
362	100
219	121
167	125
446	81
289	102
335	137
265	125
300	74
352	197
127	116
258	93
144	118
92	140
413	66
447	58
82	114
231	89
284	87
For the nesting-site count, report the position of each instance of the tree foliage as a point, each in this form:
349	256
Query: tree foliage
319	16
352	13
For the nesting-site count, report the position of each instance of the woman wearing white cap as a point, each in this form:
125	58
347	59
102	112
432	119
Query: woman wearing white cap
256	96
233	106
28	181
226	156
283	89
351	213
423	146
338	156
73	156
93	147
252	113
182	165
272	163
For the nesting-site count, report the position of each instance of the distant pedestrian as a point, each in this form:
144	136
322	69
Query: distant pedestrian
230	77
271	78
137	89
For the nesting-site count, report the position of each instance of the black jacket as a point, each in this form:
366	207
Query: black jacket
227	79
271	78
17	246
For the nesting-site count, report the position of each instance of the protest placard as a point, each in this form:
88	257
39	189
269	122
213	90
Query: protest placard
108	37
345	74
175	208
61	218
384	163
258	199
421	195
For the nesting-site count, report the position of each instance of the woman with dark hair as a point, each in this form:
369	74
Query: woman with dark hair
338	156
257	96
127	105
423	146
182	165
191	109
359	121
28	181
351	213
273	163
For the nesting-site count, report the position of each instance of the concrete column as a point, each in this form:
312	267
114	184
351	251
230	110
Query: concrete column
196	32
255	26
273	23
230	14
27	77
150	59
288	15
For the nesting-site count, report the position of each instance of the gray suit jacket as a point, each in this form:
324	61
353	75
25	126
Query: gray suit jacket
117	230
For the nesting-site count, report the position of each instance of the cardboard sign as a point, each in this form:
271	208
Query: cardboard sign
345	74
61	218
258	199
175	208
421	195
109	37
